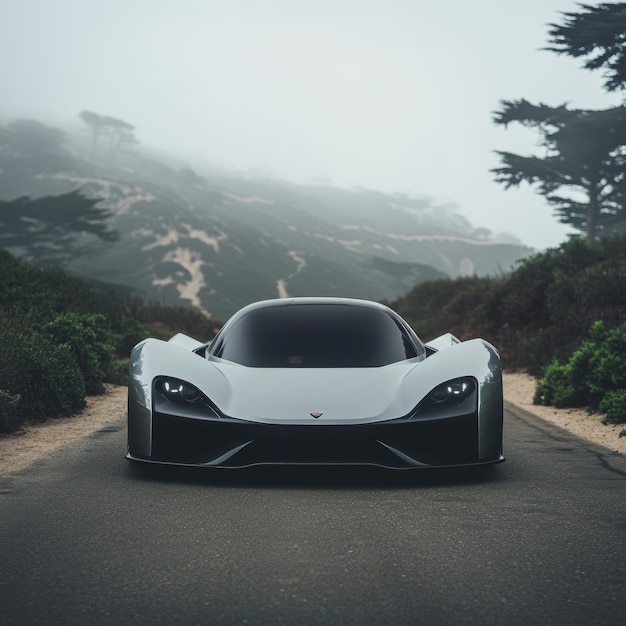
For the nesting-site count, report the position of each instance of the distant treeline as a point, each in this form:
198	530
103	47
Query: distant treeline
62	338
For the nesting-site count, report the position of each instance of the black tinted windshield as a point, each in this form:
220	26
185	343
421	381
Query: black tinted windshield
314	335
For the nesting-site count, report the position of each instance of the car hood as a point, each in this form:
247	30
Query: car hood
304	396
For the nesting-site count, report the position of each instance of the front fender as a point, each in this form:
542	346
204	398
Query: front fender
479	359
152	358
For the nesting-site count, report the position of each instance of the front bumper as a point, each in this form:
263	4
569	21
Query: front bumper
396	444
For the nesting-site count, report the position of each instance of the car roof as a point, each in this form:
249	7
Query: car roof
314	300
357	305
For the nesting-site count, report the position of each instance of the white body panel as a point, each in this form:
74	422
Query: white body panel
289	395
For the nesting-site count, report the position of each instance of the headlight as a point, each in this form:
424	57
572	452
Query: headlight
178	390
453	390
450	399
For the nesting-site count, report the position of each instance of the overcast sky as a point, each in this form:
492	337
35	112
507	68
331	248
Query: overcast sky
396	95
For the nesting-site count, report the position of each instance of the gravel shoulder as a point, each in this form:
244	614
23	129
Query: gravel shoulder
20	449
519	389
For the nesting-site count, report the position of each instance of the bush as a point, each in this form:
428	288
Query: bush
466	307
87	338
557	388
11	417
61	338
127	332
37	295
614	405
44	375
549	302
51	383
119	372
594	376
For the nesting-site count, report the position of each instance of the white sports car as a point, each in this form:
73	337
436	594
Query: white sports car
315	381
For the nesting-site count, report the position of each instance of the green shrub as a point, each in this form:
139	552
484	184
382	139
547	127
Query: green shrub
61	337
127	332
557	388
11	417
51	383
549	302
44	375
87	337
607	366
37	295
119	372
614	405
594	376
466	307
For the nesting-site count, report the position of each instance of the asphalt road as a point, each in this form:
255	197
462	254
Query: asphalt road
540	539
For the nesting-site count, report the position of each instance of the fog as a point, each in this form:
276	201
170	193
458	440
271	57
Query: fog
395	95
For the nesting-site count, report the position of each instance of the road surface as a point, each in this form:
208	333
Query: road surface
540	539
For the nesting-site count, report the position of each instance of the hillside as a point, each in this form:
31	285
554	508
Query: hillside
218	240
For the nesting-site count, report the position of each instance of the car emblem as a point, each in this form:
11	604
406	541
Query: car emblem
316	414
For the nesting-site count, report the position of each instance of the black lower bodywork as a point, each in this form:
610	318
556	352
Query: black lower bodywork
395	444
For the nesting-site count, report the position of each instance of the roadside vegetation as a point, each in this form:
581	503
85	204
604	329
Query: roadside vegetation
62	339
594	376
559	316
